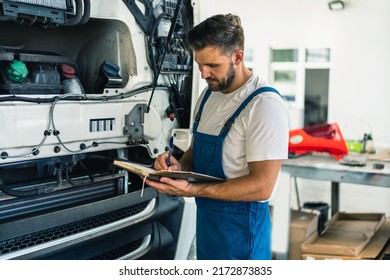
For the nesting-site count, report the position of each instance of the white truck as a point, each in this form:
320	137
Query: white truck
83	83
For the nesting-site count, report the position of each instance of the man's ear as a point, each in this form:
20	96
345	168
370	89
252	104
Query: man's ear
238	57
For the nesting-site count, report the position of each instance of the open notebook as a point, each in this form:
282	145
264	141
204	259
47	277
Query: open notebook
156	175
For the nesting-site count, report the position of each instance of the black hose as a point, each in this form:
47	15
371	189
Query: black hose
83	12
11	192
74	20
87	12
89	173
33	192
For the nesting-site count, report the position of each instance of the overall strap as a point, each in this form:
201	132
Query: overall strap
200	110
229	122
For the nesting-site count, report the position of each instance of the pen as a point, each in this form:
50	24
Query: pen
170	151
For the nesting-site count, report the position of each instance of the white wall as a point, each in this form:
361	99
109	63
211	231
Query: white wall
359	87
359	38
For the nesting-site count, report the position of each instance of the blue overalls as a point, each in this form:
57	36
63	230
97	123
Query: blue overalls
227	230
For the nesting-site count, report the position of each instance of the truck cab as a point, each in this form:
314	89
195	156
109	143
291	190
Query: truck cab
84	83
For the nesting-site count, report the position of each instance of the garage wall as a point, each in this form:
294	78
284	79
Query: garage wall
359	86
359	38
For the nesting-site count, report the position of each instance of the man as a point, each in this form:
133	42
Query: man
240	134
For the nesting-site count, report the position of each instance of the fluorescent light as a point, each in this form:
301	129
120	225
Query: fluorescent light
336	5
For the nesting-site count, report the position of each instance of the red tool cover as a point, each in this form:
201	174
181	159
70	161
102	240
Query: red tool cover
318	138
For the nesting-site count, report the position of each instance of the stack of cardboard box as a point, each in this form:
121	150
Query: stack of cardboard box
303	225
349	236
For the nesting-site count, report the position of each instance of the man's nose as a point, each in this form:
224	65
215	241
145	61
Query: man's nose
204	73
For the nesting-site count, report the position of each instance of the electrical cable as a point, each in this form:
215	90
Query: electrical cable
152	55
169	38
70	97
87	170
80	97
35	148
56	132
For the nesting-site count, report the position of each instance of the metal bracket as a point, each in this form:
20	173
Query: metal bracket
134	121
144	20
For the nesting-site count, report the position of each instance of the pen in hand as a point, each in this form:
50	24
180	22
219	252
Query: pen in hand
170	151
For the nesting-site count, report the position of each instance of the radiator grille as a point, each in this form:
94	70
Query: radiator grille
120	251
57	4
30	240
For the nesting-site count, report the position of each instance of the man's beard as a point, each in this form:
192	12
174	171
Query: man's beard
225	83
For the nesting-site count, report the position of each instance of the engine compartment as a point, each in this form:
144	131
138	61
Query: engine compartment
83	83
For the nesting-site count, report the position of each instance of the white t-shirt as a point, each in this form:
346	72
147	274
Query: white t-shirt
260	132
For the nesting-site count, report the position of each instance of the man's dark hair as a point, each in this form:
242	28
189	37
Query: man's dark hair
221	31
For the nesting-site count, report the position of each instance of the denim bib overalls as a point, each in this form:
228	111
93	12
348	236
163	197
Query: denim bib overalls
227	230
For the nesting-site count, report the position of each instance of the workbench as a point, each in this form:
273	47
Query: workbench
322	167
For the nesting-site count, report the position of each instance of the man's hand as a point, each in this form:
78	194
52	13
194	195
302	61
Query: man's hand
176	187
161	163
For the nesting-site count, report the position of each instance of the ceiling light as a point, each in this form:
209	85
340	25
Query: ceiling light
336	5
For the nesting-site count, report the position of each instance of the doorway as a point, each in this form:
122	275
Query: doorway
316	96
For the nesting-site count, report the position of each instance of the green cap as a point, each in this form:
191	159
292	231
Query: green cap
17	71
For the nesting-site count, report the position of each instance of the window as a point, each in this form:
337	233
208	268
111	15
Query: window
284	55
317	55
302	77
284	72
285	76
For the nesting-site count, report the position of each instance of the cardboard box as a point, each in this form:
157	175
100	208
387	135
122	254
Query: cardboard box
346	234
303	225
375	249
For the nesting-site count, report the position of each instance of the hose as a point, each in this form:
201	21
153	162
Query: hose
83	12
33	192
74	20
11	192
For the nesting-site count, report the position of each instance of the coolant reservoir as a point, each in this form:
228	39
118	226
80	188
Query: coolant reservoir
71	83
17	71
